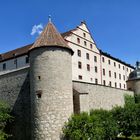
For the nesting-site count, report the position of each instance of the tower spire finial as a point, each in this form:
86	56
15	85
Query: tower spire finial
49	18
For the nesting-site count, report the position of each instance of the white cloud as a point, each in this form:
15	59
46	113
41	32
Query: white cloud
37	29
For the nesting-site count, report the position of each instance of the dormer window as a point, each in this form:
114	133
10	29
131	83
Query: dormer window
14	54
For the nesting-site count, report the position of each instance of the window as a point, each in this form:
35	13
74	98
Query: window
110	83
103	59
39	77
124	85
91	46
88	67
79	65
103	71
114	64
115	85
87	56
84	34
127	69
109	73
104	83
96	70
96	81
109	62
4	66
0	57
120	85
95	58
79	53
85	43
124	77
119	66
115	75
27	60
39	93
120	76
78	40
123	67
15	61
80	77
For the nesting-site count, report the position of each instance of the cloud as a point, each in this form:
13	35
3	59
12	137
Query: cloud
37	29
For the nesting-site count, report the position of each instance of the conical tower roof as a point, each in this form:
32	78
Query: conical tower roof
50	37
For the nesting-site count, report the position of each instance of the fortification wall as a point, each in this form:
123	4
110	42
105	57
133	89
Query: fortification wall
97	96
14	89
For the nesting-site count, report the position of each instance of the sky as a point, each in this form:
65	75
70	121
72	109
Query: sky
114	24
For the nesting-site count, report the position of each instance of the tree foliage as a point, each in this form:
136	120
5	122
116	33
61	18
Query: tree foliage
97	125
103	124
4	117
127	117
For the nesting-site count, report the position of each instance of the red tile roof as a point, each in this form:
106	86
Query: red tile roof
50	37
15	53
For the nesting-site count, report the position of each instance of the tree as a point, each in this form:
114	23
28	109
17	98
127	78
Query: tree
127	117
97	125
4	117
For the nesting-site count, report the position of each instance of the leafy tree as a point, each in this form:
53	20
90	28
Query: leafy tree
105	124
127	116
77	127
97	125
4	117
137	98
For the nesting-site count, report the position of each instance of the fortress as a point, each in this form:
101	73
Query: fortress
58	75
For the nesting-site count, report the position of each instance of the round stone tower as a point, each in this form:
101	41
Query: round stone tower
50	84
133	82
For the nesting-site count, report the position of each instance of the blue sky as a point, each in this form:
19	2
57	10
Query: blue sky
114	24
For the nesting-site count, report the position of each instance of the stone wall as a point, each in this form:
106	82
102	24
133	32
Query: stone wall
96	96
14	89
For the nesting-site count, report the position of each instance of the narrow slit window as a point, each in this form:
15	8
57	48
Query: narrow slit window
39	77
39	93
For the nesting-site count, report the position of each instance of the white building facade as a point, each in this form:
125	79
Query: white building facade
89	64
